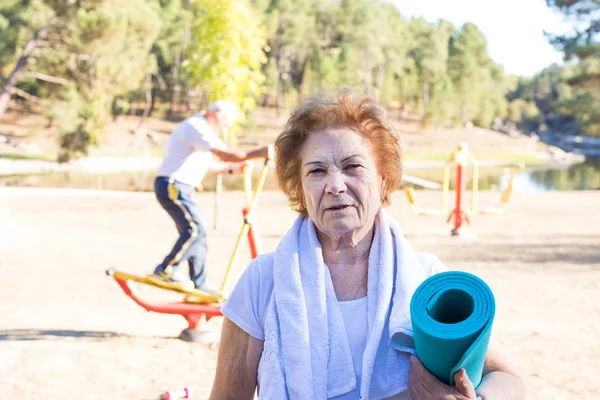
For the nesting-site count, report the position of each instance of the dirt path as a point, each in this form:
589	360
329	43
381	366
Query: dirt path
67	332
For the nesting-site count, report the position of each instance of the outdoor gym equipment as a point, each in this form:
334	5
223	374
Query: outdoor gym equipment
198	305
460	160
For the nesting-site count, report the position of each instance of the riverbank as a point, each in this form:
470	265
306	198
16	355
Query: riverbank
127	157
425	175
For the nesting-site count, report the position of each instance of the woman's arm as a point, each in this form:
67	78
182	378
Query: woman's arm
237	364
500	381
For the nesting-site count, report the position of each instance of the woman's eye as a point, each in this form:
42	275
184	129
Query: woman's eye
353	166
316	171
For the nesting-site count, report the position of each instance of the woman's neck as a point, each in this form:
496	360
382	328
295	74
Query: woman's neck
348	263
346	250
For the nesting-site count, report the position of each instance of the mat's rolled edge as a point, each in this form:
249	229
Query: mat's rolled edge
475	369
474	365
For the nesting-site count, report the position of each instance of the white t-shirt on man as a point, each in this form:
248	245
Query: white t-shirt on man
187	156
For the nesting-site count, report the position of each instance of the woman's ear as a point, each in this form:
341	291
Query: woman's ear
383	186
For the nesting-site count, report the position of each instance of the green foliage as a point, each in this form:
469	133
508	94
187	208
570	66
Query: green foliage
91	52
18	21
582	77
519	110
117	38
227	51
93	60
480	84
75	142
585	15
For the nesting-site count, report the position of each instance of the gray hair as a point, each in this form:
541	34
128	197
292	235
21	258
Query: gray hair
227	108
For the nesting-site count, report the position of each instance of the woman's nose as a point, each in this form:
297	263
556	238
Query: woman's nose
336	183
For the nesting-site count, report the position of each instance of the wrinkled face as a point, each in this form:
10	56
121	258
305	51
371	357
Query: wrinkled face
342	188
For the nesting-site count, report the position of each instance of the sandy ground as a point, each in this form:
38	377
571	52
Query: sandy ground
68	332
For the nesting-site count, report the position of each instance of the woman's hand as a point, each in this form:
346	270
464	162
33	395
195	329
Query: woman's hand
422	385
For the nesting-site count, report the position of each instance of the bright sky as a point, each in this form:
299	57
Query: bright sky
514	29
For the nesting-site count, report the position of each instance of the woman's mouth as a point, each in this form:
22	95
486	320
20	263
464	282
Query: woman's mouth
338	208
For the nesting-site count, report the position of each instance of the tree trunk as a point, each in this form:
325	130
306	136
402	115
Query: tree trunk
184	99
369	75
174	83
319	72
278	62
298	75
148	105
183	86
401	93
379	81
279	87
9	86
426	95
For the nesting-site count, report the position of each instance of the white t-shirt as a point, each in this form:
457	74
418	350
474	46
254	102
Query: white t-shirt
187	156
247	306
355	319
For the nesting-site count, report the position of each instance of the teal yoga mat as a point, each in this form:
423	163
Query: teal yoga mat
452	315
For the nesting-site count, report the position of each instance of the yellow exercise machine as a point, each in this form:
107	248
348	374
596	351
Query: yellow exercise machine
199	304
460	159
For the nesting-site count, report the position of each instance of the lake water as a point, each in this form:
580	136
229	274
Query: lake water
584	176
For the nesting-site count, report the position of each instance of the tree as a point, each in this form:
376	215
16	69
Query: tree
362	28
585	14
171	49
479	83
467	64
429	51
226	51
291	38
583	48
23	27
81	55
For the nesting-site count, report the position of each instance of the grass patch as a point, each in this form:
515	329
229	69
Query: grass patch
15	156
129	181
153	151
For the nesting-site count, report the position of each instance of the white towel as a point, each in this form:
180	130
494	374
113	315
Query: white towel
306	352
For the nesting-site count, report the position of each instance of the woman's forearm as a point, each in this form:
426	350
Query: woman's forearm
499	385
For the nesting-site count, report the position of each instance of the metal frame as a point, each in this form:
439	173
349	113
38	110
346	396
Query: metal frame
460	159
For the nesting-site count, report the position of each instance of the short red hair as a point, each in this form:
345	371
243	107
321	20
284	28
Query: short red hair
362	114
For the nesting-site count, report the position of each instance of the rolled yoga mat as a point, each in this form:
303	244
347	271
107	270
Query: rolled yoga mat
452	315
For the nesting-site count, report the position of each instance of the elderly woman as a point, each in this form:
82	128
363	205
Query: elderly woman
315	319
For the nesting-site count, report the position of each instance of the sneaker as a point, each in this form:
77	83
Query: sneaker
174	277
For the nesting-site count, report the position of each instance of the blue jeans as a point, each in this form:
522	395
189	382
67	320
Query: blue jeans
176	198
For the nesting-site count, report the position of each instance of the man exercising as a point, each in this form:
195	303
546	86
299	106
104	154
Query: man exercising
188	157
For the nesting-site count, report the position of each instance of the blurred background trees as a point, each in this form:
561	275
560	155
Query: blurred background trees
82	63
